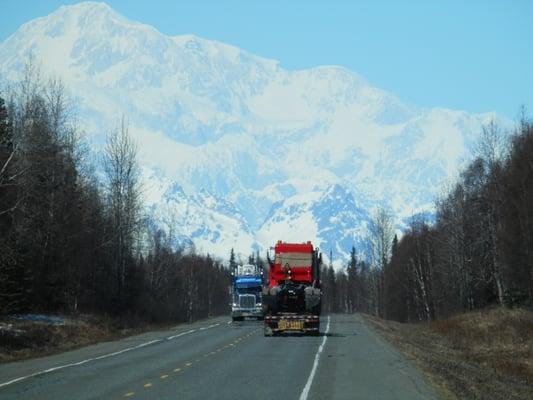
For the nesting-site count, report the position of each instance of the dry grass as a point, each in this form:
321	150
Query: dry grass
486	354
501	339
25	339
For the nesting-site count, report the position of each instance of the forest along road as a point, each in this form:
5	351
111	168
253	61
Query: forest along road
217	359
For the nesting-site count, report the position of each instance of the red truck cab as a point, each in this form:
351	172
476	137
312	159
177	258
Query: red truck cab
294	259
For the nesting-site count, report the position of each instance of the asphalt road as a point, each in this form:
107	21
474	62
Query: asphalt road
217	359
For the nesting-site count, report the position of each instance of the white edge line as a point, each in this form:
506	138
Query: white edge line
181	334
116	353
78	363
307	387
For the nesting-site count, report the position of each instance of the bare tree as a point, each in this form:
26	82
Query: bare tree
123	191
493	146
382	235
493	149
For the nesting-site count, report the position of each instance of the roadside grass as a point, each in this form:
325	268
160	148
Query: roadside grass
485	354
21	340
500	338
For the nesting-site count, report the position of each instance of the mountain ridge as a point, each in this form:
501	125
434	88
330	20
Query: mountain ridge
210	116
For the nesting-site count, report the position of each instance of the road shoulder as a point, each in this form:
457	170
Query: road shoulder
357	363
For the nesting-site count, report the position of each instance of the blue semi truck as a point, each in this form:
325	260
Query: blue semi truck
246	292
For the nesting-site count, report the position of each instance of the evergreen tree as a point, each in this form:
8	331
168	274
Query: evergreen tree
352	284
333	289
232	262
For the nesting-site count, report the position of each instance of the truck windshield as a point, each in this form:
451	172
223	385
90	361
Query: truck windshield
249	290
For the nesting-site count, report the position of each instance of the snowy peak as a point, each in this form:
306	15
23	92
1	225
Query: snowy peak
83	18
246	152
211	223
331	219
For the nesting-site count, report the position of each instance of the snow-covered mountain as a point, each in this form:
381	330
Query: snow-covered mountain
238	152
209	222
331	218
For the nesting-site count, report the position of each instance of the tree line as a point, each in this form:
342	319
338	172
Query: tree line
72	241
477	252
348	290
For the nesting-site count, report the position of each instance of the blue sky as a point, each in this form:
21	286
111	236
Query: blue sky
470	55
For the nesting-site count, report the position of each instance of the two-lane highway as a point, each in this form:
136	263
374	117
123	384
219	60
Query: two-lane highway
217	359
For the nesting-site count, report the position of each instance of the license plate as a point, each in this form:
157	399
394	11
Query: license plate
290	325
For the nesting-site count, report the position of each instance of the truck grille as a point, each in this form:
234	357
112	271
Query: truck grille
247	301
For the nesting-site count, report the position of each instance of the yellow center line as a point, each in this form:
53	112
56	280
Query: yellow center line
147	385
177	370
129	394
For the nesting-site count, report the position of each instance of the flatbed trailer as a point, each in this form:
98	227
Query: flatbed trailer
282	323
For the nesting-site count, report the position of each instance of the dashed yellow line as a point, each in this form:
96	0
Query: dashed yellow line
165	376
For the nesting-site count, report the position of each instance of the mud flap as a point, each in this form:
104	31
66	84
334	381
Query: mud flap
267	330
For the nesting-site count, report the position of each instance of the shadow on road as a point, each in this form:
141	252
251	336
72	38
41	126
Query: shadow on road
299	334
332	334
247	322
